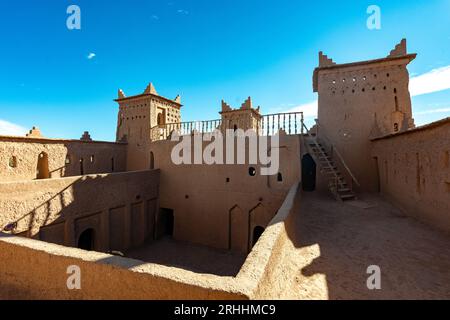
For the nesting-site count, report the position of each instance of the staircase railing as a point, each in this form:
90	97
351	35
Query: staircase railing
336	156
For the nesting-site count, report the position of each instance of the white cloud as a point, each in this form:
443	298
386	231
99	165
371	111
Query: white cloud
182	11
11	129
155	17
432	81
308	109
431	111
91	56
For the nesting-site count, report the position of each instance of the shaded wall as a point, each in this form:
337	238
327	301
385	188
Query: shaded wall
414	172
38	270
221	205
120	208
64	157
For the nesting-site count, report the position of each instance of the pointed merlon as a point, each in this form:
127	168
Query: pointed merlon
150	89
120	94
34	133
324	61
247	104
225	106
86	136
399	50
178	99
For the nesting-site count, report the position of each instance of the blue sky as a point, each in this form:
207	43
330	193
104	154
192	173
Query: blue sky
204	50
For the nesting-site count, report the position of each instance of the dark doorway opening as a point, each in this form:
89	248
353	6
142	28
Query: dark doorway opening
86	240
42	171
81	167
166	222
257	232
308	173
112	164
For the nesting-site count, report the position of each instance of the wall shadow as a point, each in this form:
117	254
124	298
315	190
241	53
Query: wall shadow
352	237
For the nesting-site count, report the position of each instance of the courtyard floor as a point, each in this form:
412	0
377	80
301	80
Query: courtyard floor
336	242
196	258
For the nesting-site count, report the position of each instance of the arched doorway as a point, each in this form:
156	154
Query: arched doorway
257	232
308	173
42	171
152	161
86	240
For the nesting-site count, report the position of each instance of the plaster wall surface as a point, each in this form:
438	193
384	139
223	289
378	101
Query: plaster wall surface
414	172
361	101
37	270
19	157
120	208
220	205
138	114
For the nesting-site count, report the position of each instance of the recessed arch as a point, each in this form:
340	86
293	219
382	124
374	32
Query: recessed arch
152	160
42	171
238	229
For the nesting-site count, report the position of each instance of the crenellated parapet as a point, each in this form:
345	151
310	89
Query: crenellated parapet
399	50
324	61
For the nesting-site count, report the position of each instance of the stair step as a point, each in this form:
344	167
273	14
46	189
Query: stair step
344	190
341	184
347	197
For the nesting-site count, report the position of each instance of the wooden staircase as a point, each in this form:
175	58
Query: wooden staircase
337	183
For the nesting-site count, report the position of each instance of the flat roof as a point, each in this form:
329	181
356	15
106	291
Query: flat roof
52	140
146	95
428	126
410	57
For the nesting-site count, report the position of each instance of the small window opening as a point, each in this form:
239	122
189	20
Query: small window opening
279	177
13	162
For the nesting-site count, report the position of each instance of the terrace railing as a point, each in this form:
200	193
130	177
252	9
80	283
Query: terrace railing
292	123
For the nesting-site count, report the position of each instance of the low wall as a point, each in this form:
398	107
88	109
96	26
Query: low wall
267	265
120	208
33	269
414	172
